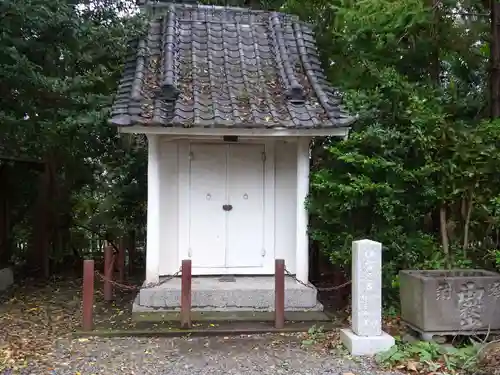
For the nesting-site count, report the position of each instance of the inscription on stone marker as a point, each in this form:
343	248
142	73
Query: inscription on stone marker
470	305
367	300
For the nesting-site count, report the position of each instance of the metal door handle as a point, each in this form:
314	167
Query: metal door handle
227	207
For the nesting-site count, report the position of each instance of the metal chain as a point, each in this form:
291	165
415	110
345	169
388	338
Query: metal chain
329	289
163	281
152	285
134	287
115	283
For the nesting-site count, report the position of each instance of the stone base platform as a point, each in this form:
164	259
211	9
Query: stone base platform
6	278
441	335
228	298
365	345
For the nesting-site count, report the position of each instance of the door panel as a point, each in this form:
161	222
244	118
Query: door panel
245	191
207	229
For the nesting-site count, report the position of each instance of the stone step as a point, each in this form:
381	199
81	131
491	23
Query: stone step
205	314
242	292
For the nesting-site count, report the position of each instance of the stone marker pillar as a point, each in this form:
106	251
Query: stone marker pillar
366	336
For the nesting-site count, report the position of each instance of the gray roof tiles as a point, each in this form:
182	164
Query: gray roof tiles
206	66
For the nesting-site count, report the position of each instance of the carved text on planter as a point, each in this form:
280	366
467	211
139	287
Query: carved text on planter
495	290
470	305
443	291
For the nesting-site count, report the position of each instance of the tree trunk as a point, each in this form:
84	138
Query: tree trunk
469	204
131	251
40	236
5	245
495	59
443	221
434	65
44	220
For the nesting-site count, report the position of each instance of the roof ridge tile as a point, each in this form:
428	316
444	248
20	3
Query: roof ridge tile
169	90
295	91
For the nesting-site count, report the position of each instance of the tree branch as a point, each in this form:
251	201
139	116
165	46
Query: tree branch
105	237
470	204
444	232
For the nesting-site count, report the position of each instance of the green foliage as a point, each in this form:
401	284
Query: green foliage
60	63
430	357
314	335
421	149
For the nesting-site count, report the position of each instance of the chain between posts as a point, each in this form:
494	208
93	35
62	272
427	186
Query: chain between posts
152	285
328	289
133	287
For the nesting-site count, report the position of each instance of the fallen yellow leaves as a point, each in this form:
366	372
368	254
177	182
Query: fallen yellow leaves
36	314
410	366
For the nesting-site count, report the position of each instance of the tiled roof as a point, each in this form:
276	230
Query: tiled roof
207	66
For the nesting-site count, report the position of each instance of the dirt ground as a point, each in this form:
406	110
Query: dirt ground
252	355
37	320
36	313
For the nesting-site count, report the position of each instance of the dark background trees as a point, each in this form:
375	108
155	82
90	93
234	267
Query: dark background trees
60	62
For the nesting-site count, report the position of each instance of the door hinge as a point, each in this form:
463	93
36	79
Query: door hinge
189	252
263	252
190	156
263	156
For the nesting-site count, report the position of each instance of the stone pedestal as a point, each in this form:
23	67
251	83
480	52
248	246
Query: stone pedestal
250	298
366	336
6	278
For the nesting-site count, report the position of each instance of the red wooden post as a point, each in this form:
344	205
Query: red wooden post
108	272
279	293
88	294
121	260
186	294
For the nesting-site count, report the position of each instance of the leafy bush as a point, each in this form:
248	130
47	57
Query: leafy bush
420	170
429	357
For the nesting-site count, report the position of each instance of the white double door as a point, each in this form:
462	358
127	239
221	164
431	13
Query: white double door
226	208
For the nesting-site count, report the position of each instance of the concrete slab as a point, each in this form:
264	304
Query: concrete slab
365	345
250	293
204	329
209	314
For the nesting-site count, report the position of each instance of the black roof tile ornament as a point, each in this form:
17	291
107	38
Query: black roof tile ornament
210	66
169	91
308	68
294	91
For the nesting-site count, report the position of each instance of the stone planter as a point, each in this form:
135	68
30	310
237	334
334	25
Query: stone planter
445	302
6	278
